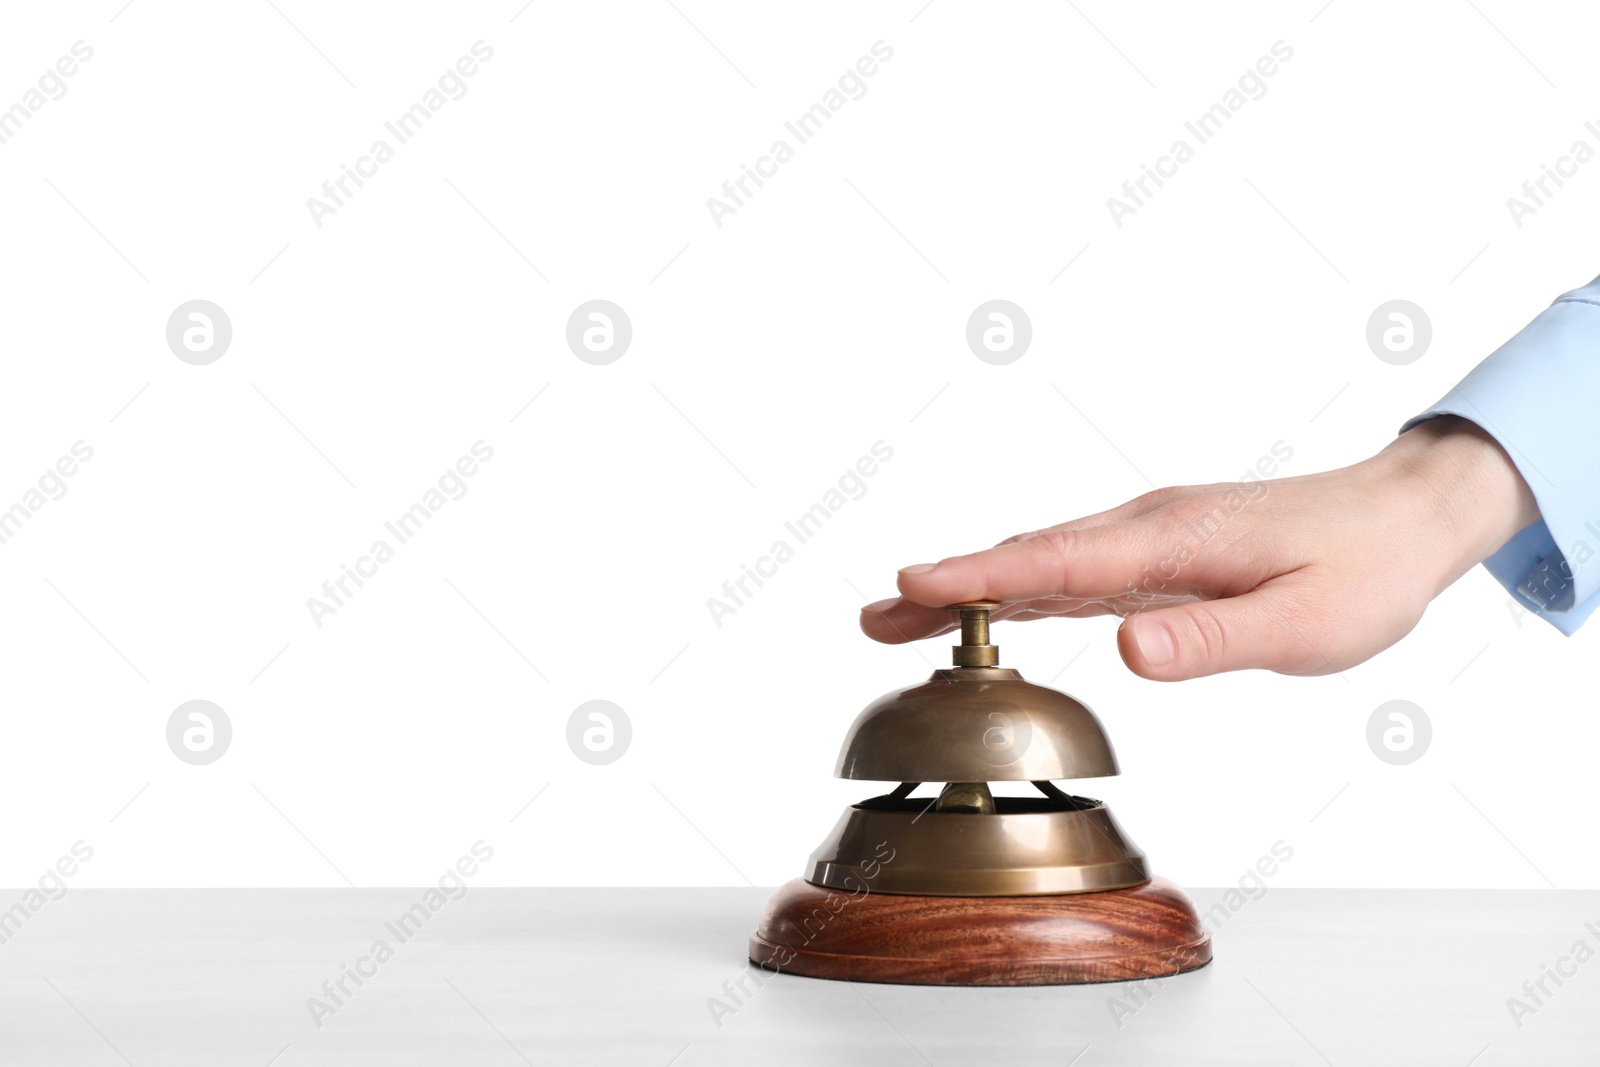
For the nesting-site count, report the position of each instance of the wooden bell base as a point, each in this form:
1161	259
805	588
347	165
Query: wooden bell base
1111	936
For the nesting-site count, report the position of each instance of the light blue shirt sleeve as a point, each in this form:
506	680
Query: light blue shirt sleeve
1537	395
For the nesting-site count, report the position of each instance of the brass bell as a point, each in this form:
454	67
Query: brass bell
967	888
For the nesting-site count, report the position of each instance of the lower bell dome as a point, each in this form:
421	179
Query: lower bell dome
1029	846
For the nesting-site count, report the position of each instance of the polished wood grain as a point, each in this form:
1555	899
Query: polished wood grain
1142	932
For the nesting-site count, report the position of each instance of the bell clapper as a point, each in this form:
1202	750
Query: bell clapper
972	797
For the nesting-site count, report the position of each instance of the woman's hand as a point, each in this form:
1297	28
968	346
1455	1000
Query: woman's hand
1304	575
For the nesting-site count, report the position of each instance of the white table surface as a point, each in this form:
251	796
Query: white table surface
614	976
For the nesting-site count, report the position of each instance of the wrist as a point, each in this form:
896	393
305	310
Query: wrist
1470	491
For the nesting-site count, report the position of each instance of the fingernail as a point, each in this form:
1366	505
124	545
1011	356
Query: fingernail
919	568
882	606
1155	641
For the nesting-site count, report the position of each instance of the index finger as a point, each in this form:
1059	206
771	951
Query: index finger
1085	564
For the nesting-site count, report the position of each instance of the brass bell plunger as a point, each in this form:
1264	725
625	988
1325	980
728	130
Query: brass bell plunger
966	888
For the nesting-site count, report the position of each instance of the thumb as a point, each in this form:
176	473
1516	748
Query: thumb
1254	630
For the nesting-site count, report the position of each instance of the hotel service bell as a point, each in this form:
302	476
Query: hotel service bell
967	888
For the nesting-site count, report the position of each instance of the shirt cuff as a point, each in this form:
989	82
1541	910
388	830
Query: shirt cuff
1536	395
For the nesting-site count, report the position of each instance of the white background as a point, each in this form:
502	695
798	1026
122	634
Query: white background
768	354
